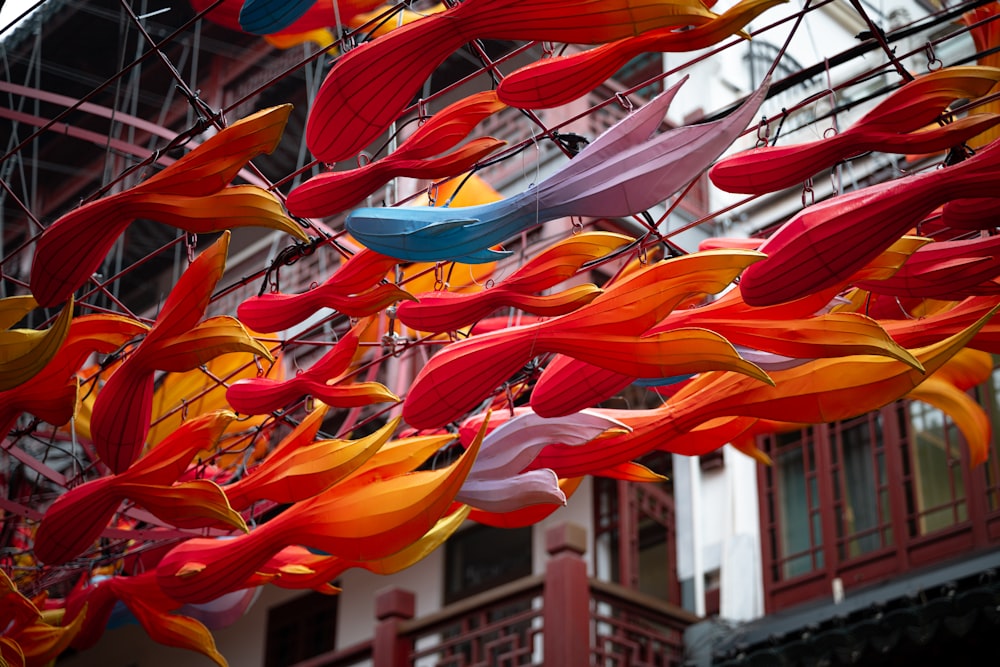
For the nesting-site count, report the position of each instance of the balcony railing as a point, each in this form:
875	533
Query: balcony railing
534	621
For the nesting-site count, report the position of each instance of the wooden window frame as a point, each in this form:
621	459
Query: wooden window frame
906	550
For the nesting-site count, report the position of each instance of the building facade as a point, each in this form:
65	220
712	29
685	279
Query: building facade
863	539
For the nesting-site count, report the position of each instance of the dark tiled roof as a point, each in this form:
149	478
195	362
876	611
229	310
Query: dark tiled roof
898	622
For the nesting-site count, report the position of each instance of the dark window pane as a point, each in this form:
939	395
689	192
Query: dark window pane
481	558
793	513
302	628
860	515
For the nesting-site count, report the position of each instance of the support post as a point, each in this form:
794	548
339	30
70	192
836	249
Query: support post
390	648
698	554
566	610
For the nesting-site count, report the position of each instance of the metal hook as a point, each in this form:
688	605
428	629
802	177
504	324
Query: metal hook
625	102
364	159
191	241
763	132
933	62
440	282
807	190
577	223
348	40
422	114
393	344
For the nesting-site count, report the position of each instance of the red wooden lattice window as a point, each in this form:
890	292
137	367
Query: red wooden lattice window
868	498
635	534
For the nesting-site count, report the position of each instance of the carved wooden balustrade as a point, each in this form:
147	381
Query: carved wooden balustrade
559	619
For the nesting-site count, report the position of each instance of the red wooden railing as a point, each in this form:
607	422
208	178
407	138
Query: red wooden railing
562	618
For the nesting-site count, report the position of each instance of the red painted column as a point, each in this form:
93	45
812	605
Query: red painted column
390	648
566	610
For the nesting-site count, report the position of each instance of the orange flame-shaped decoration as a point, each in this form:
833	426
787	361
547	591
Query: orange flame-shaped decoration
438	312
78	516
192	194
178	341
356	289
329	379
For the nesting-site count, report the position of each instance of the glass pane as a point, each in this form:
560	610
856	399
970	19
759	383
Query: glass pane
987	394
796	566
860	514
886	514
639	69
955	461
606	538
300	629
793	513
938	481
937	518
654	559
480	558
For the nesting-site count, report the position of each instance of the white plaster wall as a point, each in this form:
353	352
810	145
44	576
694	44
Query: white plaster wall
728	530
356	620
713	484
741	584
713	526
684	520
356	617
242	643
